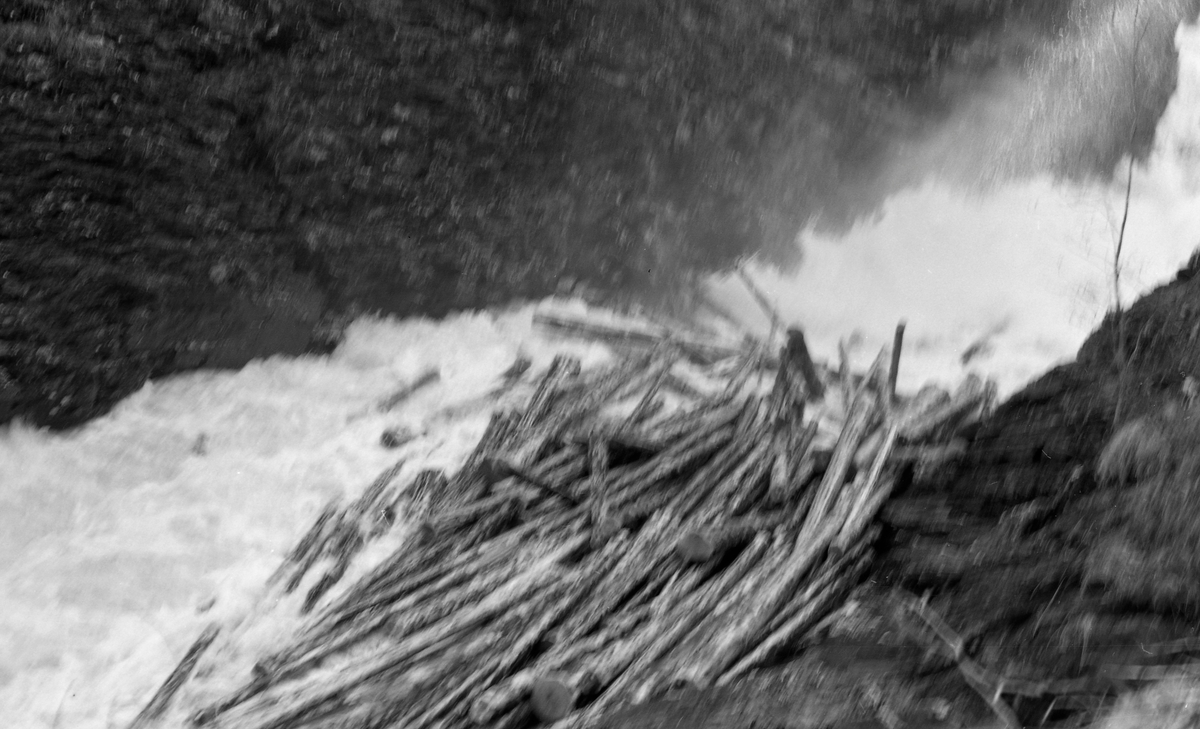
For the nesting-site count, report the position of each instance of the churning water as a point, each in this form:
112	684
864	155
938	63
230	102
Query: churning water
1014	272
121	540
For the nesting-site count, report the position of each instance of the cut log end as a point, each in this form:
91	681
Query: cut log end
551	699
695	547
495	469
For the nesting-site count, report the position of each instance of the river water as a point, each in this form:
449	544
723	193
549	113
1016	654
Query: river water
1019	271
121	540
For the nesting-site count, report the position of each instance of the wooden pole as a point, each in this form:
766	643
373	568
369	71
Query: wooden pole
894	371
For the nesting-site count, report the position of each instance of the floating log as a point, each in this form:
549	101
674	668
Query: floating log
426	378
986	684
692	346
162	697
894	369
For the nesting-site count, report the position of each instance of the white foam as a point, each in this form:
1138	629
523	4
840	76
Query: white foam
1025	267
124	539
120	541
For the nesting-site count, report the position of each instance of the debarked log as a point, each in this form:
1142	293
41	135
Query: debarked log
703	351
622	671
817	599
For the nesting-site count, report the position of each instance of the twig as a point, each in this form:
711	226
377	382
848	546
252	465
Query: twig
761	299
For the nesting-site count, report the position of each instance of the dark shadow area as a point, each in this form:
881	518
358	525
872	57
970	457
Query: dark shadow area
196	183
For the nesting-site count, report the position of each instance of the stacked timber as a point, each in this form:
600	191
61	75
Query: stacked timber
675	517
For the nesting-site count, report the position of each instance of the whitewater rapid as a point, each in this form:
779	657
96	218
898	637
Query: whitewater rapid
121	540
1019	272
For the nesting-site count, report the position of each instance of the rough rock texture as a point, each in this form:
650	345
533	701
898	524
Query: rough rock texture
194	183
1019	547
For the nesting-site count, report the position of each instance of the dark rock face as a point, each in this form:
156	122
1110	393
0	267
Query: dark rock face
1047	568
197	183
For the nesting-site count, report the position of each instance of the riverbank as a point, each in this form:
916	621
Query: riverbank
199	185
